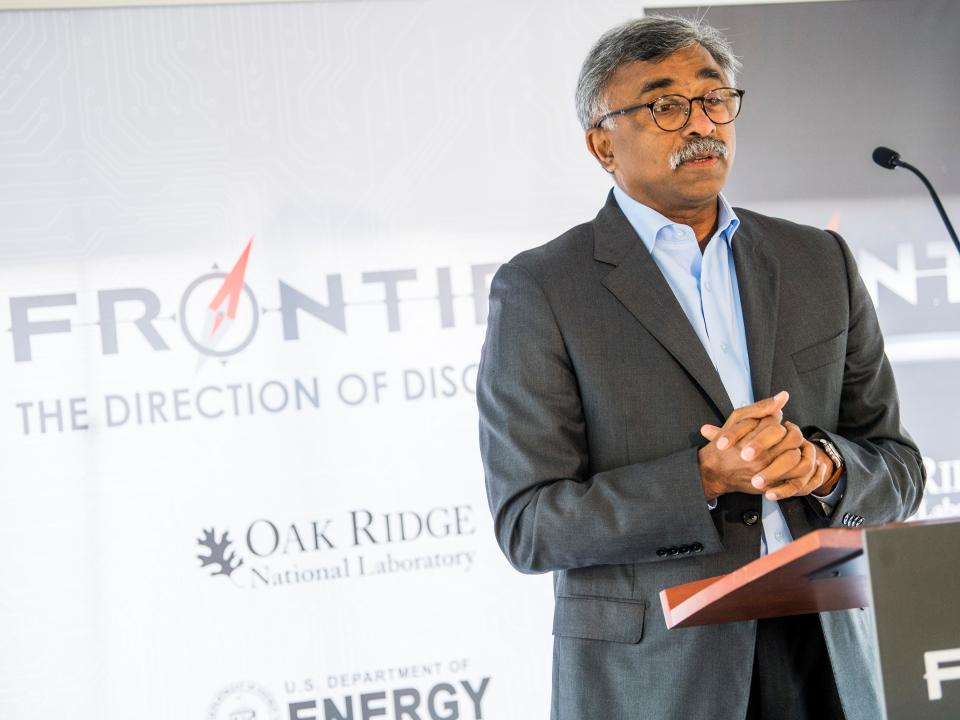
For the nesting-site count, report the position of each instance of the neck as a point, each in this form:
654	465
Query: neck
702	219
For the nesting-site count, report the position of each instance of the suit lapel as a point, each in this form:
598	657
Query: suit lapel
638	284
758	275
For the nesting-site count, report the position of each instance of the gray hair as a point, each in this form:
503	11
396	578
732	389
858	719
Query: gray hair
649	38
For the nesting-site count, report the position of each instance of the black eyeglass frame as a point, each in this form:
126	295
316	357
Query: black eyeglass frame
691	101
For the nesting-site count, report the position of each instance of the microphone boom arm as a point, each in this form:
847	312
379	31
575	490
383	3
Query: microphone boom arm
936	200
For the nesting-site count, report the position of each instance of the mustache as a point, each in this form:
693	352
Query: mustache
698	148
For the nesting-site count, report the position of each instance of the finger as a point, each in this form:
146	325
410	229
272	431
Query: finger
764	437
775	440
709	431
800	481
733	433
761	409
793	439
778	469
804	469
768	407
798	486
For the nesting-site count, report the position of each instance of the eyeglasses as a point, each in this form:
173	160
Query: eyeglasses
672	112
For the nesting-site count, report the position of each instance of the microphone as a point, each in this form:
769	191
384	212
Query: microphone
886	158
890	159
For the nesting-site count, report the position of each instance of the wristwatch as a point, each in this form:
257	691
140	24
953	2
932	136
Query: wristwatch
831	451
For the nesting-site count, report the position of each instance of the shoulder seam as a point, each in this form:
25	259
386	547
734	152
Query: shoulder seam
846	265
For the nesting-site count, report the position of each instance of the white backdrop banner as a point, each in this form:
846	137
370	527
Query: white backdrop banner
245	260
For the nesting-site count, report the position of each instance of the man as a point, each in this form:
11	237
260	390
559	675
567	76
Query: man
614	360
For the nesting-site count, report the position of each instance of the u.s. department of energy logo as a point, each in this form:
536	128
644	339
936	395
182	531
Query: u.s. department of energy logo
243	700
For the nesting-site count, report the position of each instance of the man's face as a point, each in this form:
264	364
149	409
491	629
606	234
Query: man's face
638	152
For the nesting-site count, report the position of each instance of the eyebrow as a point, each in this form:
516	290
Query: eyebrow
660	83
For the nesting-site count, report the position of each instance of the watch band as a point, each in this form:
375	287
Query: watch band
835	457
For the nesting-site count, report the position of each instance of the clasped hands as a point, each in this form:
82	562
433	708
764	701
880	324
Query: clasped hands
757	452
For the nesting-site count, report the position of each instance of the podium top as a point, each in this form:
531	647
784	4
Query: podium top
803	577
821	571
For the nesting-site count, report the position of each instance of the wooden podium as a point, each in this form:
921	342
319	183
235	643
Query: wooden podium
803	577
907	573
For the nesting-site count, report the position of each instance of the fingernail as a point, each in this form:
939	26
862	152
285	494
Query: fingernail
782	396
723	443
771	496
757	481
748	454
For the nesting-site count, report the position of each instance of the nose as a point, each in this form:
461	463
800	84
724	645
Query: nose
698	124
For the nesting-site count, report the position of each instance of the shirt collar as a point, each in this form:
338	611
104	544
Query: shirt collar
648	222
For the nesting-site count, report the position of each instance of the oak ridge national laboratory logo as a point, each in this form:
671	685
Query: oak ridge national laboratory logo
358	544
243	701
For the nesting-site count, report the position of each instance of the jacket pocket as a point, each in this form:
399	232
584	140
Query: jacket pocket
822	353
595	618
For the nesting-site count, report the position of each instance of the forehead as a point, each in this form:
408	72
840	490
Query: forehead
683	70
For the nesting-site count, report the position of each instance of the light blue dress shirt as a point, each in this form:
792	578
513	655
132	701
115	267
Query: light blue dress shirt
705	285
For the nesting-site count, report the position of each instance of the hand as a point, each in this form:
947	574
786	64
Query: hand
791	465
808	474
751	440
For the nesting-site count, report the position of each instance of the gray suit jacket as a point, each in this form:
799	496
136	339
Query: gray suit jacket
591	391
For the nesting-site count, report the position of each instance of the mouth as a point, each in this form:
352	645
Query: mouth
699	154
701	161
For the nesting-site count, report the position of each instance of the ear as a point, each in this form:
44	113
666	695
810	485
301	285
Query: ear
600	145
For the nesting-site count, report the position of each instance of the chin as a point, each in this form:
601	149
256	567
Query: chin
702	192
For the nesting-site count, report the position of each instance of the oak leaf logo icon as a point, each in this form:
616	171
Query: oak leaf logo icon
224	563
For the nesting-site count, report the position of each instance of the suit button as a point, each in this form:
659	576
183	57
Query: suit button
673	549
697	547
751	517
661	552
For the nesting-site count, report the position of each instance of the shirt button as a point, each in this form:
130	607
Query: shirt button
706	286
724	347
778	535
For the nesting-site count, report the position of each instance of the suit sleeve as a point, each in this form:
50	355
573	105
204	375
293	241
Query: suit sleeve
885	474
549	512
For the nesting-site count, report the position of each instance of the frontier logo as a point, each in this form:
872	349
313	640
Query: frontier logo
364	544
212	304
221	313
219	316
